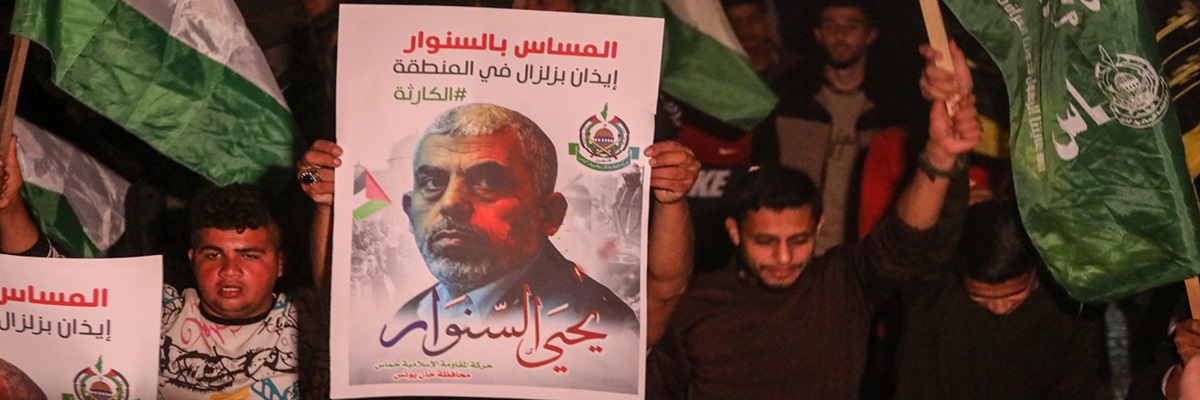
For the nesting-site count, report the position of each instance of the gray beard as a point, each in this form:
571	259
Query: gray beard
464	270
459	276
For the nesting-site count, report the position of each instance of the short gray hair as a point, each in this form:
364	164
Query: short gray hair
482	119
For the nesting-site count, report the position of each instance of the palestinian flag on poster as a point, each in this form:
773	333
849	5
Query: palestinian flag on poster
368	192
183	75
1098	162
703	62
76	201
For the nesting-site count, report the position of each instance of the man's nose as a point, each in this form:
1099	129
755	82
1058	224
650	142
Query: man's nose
783	254
229	267
456	201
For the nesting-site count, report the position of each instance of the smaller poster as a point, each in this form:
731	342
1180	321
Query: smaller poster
80	328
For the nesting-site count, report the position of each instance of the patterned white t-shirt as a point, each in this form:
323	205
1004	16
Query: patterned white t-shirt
201	357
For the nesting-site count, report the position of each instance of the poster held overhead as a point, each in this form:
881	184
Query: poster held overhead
492	240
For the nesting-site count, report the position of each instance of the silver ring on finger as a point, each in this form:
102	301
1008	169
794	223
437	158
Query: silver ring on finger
310	176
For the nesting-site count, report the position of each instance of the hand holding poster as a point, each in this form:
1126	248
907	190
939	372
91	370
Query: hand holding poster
489	240
81	328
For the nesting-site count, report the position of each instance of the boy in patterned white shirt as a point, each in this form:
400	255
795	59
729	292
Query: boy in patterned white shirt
232	335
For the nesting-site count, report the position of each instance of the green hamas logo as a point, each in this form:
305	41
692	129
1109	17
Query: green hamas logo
603	139
94	383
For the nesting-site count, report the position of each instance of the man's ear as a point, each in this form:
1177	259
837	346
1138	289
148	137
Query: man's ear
191	252
406	203
279	258
732	227
555	209
820	223
872	34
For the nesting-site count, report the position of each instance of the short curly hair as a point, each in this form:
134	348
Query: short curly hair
234	207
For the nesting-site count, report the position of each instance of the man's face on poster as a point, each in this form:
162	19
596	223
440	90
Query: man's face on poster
473	208
362	266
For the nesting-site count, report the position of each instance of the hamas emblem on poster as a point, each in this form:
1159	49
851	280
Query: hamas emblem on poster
1137	93
603	140
94	383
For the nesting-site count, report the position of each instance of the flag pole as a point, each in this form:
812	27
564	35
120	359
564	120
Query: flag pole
1193	293
936	30
12	87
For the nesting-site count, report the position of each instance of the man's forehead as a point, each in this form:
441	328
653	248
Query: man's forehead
445	151
794	212
785	222
1000	290
260	237
744	10
843	13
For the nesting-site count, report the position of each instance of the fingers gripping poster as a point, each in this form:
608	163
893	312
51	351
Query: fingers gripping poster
491	212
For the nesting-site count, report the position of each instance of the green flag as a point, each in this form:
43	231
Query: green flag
1098	163
703	62
186	77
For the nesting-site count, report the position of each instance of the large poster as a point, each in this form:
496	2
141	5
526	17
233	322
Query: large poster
80	328
490	222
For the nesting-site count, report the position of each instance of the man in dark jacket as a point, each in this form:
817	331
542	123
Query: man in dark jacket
781	323
993	327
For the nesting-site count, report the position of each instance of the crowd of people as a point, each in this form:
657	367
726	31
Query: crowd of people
870	247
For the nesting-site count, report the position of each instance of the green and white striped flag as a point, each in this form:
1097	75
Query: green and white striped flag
183	75
703	62
1098	163
76	201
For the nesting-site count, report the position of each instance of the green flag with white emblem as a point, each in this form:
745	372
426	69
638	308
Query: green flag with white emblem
1098	163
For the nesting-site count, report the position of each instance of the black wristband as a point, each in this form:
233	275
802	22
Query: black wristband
960	165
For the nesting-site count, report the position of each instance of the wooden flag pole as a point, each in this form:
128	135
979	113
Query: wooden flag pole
1193	293
936	30
12	87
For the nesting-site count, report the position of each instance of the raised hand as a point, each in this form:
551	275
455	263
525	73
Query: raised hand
673	170
315	171
953	127
10	176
